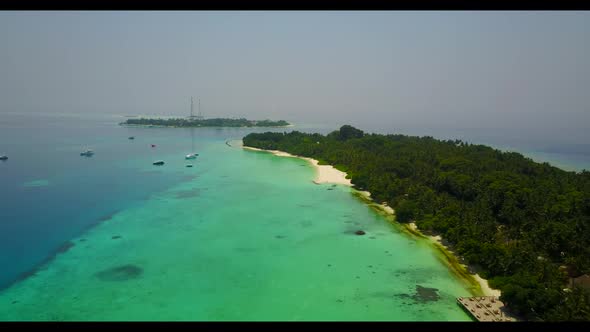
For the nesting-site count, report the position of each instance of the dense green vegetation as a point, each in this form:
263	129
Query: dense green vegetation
217	122
526	225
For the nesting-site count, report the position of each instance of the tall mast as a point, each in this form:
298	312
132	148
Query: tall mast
191	107
192	140
200	116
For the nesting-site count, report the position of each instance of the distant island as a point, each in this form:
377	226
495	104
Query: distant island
215	122
524	225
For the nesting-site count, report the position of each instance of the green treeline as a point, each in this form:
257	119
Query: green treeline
217	122
526	225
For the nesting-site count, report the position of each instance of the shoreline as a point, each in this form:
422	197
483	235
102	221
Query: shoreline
163	126
329	174
324	173
438	240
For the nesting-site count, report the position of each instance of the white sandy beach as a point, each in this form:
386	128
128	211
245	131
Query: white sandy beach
329	174
485	287
324	173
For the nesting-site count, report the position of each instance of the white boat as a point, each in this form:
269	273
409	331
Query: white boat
191	156
87	153
3	157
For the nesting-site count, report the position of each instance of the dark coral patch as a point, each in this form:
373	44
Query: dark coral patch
426	294
64	247
106	217
120	273
188	193
422	295
354	232
102	219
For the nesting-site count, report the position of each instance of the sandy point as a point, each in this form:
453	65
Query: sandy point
324	173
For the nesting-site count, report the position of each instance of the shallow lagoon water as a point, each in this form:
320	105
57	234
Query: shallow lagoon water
242	235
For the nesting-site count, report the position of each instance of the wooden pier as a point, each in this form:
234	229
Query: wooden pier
485	308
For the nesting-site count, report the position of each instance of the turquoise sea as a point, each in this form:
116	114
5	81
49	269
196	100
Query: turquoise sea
242	235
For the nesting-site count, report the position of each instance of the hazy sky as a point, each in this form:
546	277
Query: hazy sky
470	69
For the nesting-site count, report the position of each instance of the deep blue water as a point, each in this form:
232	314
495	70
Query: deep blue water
35	221
74	193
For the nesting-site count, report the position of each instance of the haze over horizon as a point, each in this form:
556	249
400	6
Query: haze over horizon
433	69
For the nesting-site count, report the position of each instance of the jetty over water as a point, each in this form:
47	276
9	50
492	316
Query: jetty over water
485	308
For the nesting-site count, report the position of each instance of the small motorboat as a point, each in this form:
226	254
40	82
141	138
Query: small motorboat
159	162
189	165
87	153
153	145
3	157
131	137
191	156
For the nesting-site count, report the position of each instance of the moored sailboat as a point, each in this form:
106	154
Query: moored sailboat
193	155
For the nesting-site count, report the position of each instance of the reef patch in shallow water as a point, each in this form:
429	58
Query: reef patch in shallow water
426	294
423	294
64	247
120	273
187	193
108	216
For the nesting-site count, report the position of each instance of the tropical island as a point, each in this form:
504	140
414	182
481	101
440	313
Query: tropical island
523	225
214	122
